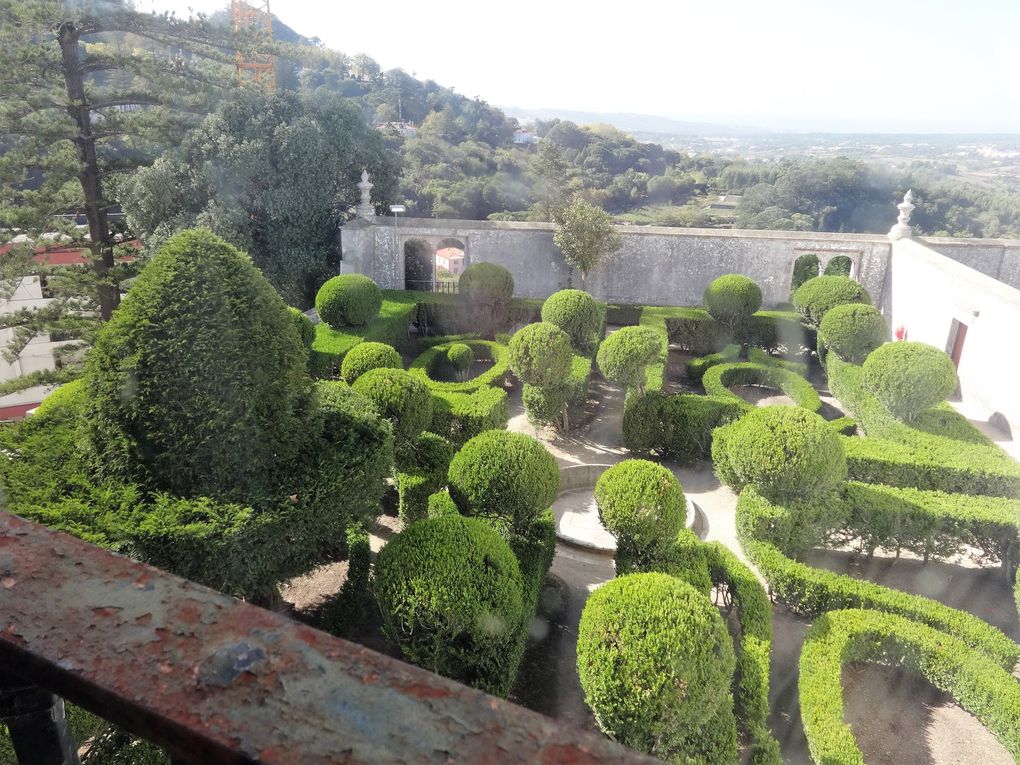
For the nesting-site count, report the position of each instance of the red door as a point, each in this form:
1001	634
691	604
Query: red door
961	335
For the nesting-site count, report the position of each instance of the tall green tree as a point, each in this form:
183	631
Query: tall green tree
586	236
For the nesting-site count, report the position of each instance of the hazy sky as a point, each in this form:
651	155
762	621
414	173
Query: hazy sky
839	65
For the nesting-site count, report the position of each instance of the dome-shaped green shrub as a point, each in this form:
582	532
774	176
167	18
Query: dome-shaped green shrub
504	474
461	357
451	596
815	297
400	397
627	352
732	299
348	300
486	290
786	452
577	314
197	386
642	504
540	354
655	663
853	330
69	398
909	377
305	328
365	356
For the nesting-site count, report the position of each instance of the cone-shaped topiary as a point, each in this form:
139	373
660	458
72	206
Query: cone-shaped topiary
817	296
786	452
401	398
540	355
732	299
365	356
577	314
853	330
642	504
624	356
197	385
348	300
909	378
656	662
504	474
451	596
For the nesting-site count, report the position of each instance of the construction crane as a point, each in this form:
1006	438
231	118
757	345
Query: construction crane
259	68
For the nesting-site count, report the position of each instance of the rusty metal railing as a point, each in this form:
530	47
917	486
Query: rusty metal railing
215	680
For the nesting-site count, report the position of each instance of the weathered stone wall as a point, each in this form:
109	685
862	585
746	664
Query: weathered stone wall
997	258
656	266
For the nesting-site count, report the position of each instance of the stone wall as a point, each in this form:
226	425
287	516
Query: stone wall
997	258
656	266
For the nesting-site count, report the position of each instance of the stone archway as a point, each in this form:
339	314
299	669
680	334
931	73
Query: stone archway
451	259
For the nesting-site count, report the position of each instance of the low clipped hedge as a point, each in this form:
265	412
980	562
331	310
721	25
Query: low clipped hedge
697	367
366	356
815	297
852	331
348	300
400	397
655	661
692	329
759	356
642	504
624	356
753	650
676	427
506	475
718	379
576	313
812	592
939	450
462	416
976	682
428	360
908	378
451	596
421	472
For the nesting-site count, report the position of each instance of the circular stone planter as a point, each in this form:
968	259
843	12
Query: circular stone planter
577	517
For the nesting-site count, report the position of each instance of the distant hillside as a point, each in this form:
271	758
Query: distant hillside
633	123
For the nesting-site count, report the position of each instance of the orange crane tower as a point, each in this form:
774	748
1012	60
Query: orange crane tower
254	66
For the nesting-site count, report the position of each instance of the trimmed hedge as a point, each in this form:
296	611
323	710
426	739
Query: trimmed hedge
577	314
816	296
625	355
852	331
783	451
510	476
348	300
676	427
461	357
429	359
485	292
642	504
400	397
366	356
655	661
718	379
697	367
540	355
908	377
451	595
759	356
341	612
981	687
762	524
731	299
462	416
939	450
305	328
692	329
423	468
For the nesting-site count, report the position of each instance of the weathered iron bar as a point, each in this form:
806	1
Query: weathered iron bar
215	680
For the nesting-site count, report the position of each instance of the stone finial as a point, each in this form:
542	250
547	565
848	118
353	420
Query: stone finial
365	207
902	228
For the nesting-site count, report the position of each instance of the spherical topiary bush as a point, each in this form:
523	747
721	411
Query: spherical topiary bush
853	330
365	356
486	290
577	314
815	297
461	357
348	300
198	385
504	474
305	328
540	354
450	592
627	352
655	663
400	397
786	452
731	299
642	504
909	377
